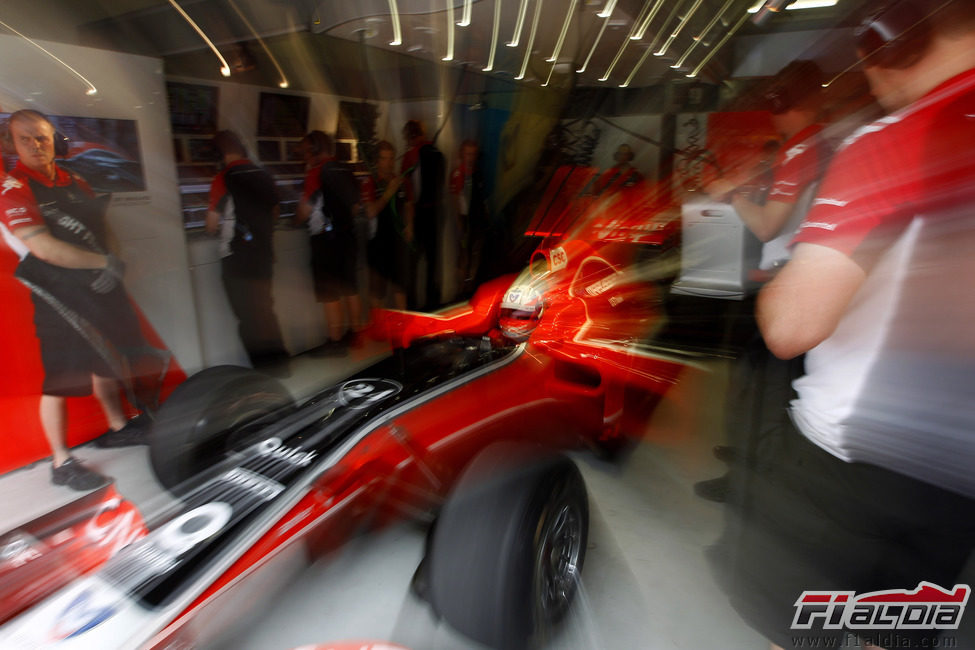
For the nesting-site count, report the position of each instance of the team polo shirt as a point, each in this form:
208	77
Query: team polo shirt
894	384
798	165
311	194
18	206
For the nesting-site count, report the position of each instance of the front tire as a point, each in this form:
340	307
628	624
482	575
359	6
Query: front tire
507	552
211	413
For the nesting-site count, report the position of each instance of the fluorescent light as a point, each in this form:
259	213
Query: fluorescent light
394	16
670	17
466	18
704	32
680	26
224	68
531	40
494	36
635	68
284	80
593	49
565	28
608	9
91	87
642	29
516	37
700	66
450	31
798	4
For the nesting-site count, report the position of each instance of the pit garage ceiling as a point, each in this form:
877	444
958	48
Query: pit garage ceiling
348	41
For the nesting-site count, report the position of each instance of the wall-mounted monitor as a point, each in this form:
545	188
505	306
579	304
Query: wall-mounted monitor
269	150
282	116
192	108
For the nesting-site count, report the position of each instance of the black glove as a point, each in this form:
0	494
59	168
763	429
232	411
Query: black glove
108	277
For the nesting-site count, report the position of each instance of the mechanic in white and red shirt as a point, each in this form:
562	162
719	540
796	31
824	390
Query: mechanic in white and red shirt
795	100
55	224
873	488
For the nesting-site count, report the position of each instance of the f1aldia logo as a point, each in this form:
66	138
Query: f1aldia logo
929	607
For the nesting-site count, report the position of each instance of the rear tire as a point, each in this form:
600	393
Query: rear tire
508	548
211	413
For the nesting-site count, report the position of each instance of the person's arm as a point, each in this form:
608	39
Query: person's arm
45	246
213	222
408	213
373	208
803	304
765	221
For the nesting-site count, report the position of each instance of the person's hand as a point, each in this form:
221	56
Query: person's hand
109	276
720	189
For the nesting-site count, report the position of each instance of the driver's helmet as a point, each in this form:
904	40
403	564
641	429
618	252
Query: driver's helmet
521	310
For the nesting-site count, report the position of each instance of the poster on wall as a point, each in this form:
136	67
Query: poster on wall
105	152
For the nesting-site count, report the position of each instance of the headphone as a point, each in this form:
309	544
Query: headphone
7	142
894	34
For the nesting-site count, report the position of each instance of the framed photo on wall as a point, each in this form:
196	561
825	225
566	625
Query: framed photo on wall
192	108
282	116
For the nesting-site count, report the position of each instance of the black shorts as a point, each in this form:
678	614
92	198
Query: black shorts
810	521
333	265
69	358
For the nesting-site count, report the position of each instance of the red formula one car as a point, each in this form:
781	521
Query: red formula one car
461	423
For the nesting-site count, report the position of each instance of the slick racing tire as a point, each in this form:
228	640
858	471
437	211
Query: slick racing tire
506	554
213	412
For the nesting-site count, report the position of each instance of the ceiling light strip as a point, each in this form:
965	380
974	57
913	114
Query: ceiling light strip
565	28
626	42
224	68
284	80
466	17
731	32
702	34
635	68
595	43
450	31
670	17
519	24
683	22
608	9
494	36
91	87
394	17
531	40
639	33
798	4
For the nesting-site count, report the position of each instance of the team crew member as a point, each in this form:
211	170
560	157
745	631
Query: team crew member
424	165
470	206
243	209
328	203
795	101
761	384
873	489
389	203
82	315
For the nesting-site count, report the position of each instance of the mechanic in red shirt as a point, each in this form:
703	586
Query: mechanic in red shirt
873	487
761	384
795	101
82	315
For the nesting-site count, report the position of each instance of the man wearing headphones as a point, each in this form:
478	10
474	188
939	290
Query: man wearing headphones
53	221
873	488
243	208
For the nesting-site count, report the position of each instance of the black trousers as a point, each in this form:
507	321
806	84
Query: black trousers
252	304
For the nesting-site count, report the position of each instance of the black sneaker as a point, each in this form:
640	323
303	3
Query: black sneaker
77	477
135	432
